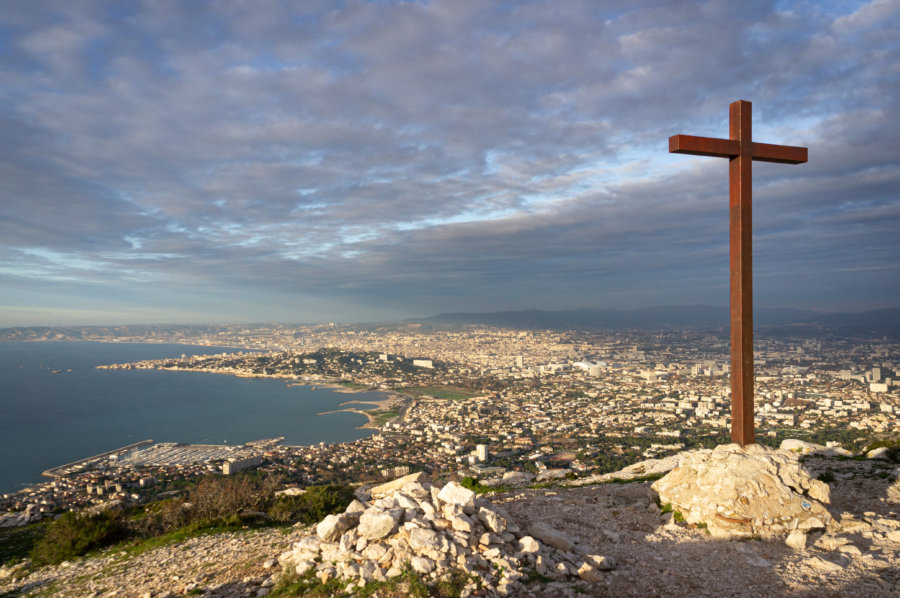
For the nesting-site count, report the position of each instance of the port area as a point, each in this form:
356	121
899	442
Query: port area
82	464
146	453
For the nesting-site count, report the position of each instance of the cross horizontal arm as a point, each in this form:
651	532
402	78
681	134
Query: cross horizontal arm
704	146
783	154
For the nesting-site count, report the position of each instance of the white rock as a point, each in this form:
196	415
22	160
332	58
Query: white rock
811	523
589	573
394	485
799	446
422	564
355	507
550	536
455	494
796	540
375	525
461	523
741	491
604	563
492	520
879	453
332	527
529	545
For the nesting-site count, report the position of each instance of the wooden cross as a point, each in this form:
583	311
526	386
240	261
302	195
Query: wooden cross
740	150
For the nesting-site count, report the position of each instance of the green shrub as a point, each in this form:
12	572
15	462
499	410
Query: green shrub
74	535
827	477
313	505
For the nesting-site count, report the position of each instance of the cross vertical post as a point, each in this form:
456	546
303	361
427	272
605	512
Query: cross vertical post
741	151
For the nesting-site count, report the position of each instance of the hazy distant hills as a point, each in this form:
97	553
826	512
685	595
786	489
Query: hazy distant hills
883	321
867	324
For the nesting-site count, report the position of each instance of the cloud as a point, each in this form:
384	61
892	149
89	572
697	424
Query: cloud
406	158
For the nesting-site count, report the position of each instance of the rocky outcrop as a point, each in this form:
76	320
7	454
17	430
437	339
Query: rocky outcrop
29	515
746	491
433	531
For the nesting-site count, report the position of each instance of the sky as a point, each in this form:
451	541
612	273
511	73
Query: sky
282	161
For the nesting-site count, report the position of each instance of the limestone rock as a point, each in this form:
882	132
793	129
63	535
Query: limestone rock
588	573
375	525
604	563
389	487
550	536
800	446
529	545
879	453
492	520
796	540
332	527
516	478
454	493
741	491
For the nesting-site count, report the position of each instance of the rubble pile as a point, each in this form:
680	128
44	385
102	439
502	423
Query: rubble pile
435	530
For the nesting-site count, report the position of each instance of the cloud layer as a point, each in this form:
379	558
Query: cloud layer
247	161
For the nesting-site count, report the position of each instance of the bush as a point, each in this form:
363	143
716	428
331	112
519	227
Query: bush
215	501
313	505
74	535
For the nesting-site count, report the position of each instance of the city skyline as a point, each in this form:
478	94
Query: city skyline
273	161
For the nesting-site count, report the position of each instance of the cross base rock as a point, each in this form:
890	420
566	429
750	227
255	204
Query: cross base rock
745	491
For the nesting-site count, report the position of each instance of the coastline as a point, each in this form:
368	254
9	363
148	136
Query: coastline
290	380
384	404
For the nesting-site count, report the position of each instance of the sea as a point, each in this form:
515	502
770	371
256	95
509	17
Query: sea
56	407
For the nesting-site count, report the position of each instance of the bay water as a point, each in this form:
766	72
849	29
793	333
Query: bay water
55	407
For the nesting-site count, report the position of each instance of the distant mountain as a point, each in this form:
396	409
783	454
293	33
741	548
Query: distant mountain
884	321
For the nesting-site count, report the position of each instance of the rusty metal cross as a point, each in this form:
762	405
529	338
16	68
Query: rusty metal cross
741	150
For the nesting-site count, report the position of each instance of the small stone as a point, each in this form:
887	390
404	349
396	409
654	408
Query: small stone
850	550
550	536
588	573
811	523
355	507
604	563
422	564
796	540
822	565
461	523
529	545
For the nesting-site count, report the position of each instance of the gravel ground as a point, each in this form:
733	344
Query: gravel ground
654	558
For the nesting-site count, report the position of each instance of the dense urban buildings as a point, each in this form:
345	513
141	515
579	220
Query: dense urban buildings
484	402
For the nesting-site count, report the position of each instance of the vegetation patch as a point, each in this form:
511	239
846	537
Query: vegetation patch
827	477
381	416
215	505
76	534
409	583
313	505
16	543
478	488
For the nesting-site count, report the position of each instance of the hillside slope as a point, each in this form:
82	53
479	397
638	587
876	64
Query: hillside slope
654	555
